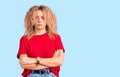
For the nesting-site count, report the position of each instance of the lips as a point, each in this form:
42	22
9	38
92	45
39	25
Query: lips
39	24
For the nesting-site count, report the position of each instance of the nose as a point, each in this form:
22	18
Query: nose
39	19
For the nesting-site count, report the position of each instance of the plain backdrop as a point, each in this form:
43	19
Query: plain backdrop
90	31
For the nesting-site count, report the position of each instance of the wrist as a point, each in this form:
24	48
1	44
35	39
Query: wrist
35	61
38	59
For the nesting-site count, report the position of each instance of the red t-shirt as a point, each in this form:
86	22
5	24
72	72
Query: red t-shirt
40	46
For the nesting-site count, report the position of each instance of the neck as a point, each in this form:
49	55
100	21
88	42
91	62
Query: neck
39	32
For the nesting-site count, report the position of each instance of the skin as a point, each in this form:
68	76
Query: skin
31	63
39	22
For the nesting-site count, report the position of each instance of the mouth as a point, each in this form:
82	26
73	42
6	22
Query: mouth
39	24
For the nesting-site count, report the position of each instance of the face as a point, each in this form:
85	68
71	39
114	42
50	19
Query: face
39	20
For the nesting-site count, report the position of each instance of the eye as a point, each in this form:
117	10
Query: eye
36	17
42	17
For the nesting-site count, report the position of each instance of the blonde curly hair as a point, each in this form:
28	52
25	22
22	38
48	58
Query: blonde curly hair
51	22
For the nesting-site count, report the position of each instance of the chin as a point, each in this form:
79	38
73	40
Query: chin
39	28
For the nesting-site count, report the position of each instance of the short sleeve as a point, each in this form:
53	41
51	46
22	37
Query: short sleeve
22	46
59	44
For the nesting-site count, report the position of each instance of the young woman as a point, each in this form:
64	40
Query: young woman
41	52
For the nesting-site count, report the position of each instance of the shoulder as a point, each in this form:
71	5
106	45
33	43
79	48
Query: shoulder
57	36
23	38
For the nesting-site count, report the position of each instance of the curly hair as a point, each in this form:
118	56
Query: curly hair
51	22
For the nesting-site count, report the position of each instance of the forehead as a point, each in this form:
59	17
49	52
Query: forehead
38	13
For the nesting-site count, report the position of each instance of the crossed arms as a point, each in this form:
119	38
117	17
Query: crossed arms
42	63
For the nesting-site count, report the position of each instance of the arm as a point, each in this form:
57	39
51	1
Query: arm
30	63
56	60
33	66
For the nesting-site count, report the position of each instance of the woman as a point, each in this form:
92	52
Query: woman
41	52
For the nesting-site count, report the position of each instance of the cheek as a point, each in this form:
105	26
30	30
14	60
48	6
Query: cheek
44	23
34	22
